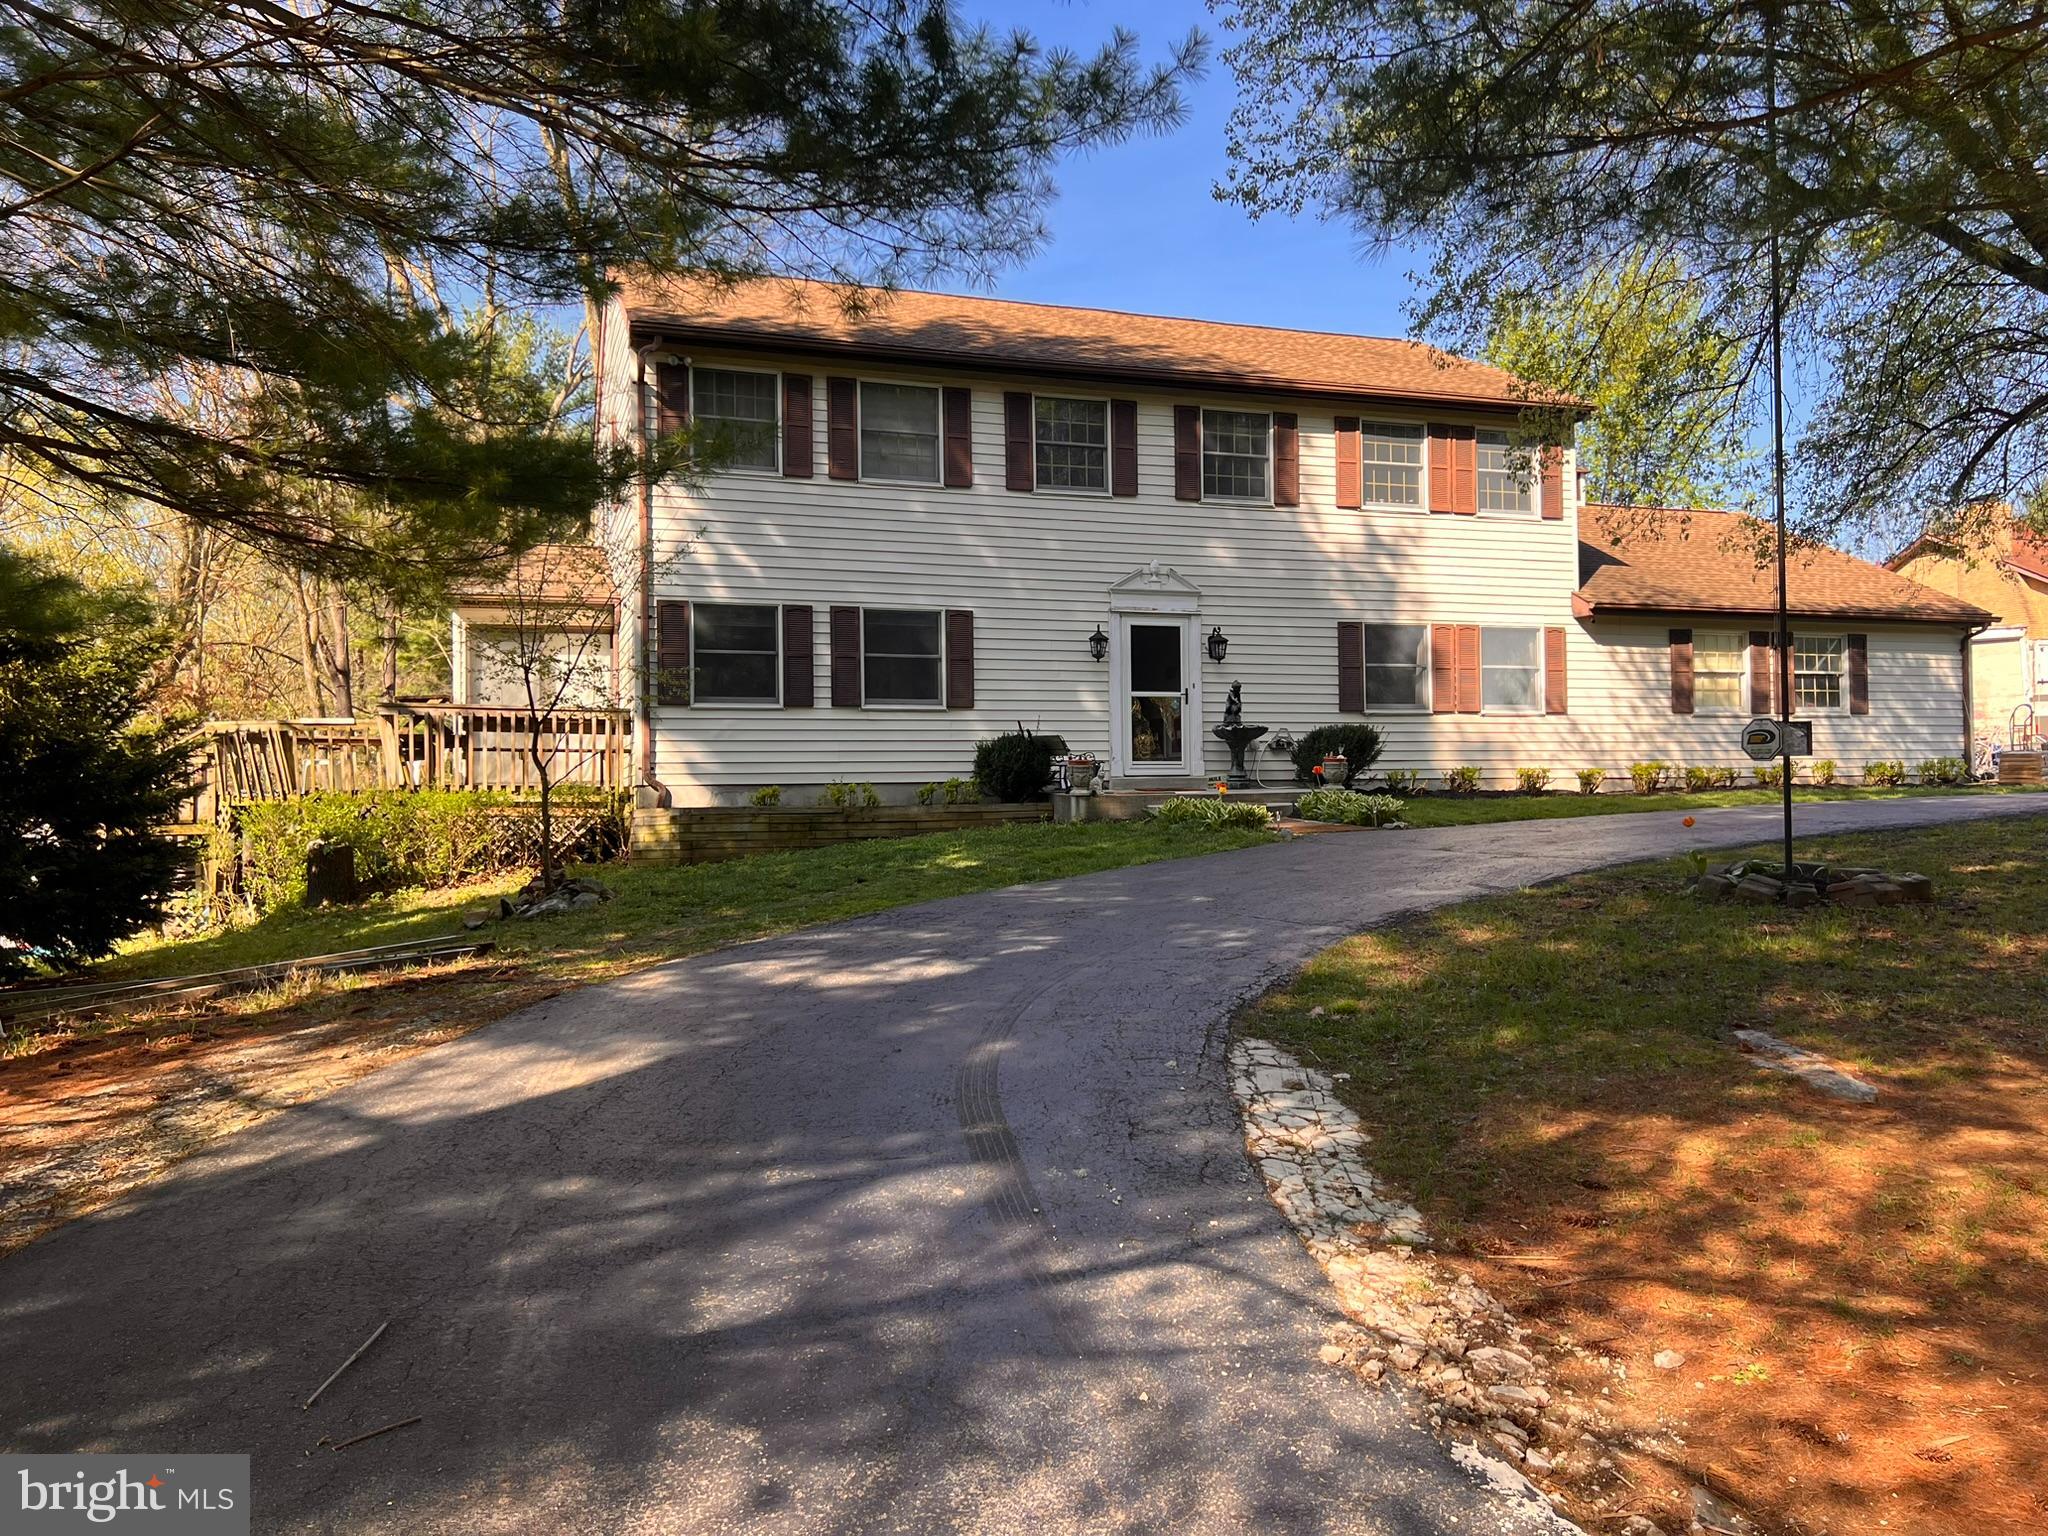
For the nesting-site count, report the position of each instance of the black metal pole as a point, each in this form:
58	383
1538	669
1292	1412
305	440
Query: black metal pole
1781	653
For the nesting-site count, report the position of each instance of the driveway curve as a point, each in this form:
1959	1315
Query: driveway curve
935	1221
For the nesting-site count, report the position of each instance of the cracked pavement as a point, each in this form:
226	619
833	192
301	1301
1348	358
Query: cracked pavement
934	1221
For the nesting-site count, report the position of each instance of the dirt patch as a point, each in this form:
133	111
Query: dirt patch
88	1114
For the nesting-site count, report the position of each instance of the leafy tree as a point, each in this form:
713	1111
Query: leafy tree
1633	343
1533	142
82	778
284	204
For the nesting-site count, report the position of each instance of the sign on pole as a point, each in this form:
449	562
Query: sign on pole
1765	739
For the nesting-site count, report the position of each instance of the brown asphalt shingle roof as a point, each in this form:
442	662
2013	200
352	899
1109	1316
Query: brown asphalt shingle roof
1633	560
1055	339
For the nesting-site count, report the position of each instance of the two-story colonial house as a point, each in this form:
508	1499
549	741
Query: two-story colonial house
941	516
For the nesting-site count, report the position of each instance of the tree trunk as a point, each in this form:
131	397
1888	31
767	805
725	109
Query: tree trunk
309	645
388	688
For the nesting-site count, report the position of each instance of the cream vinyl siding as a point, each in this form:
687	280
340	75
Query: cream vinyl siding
1035	570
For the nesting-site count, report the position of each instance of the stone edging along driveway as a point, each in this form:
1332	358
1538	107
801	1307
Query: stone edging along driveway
937	1220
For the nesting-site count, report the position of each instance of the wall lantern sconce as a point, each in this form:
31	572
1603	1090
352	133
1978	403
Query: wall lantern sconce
1219	644
1098	644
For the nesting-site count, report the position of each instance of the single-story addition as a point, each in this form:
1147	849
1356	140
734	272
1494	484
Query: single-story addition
943	516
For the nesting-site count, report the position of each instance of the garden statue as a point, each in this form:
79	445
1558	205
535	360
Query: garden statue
1237	735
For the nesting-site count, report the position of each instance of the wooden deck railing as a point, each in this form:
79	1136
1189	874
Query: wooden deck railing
407	746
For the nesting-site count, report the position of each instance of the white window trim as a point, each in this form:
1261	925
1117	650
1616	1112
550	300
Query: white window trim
1108	445
698	702
1841	704
860	431
897	705
1520	711
1533	497
758	470
1745	685
1202	450
1428	702
1421	502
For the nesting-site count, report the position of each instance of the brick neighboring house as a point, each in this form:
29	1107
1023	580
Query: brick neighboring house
946	515
2009	660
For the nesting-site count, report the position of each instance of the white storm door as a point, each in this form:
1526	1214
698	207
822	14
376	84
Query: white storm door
1155	705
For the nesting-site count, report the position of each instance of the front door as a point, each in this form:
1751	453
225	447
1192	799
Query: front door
1156	712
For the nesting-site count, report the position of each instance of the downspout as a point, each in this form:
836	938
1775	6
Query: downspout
1969	699
643	692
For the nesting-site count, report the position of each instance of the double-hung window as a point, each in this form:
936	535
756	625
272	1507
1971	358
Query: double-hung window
1720	671
738	414
1071	444
1390	464
1506	479
899	433
1817	671
1396	666
735	653
902	656
1511	670
1237	455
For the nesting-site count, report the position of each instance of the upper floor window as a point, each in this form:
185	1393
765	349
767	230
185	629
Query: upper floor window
1817	671
901	653
899	433
1507	476
1390	458
738	413
1720	668
1397	666
1236	455
1510	668
1072	443
735	652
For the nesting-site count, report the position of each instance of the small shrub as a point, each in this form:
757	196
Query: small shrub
1532	781
842	796
1944	770
1201	811
767	796
1462	780
1360	744
1017	765
1590	780
1885	772
1647	776
1698	779
928	794
959	791
1769	775
1349	807
1404	781
1821	770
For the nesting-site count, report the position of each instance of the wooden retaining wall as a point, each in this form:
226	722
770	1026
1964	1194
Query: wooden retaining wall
705	834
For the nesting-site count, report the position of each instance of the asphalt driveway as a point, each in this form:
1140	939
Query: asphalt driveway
934	1221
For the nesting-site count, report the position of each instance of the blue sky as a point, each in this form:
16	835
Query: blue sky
1136	226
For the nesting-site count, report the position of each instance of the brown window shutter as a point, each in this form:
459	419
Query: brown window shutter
959	659
956	410
1123	447
1286	459
1187	453
1020	471
799	689
1350	477
671	397
1858	663
1350	667
1468	669
1553	673
1442	477
1553	482
845	639
1681	672
797	442
842	429
1465	466
671	652
1443	669
1759	672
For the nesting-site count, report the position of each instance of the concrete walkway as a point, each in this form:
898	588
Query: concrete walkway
936	1221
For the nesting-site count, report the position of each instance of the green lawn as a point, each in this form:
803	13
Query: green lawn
1439	810
662	913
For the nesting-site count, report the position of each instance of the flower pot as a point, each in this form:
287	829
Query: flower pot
1335	766
1080	775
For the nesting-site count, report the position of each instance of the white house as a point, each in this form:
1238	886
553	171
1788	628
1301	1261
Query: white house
944	516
